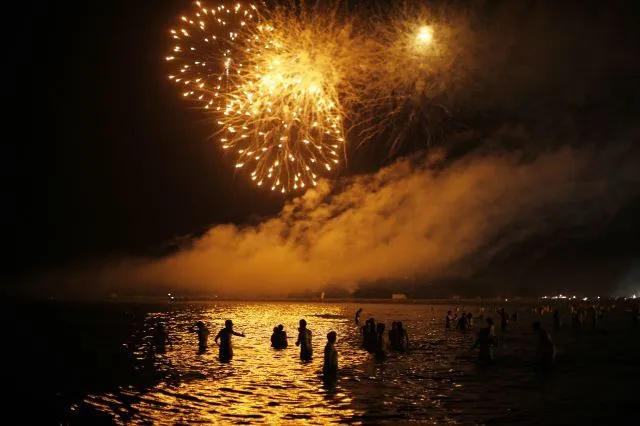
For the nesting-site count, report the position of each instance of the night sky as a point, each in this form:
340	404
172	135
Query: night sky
106	157
101	156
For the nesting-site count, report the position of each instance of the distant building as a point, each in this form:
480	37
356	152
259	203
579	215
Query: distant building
398	296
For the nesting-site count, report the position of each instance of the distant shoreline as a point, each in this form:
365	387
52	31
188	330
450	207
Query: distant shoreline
446	301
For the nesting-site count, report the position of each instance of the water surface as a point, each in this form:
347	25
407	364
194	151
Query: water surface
92	363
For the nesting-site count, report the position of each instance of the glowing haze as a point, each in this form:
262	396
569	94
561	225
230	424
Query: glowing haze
406	220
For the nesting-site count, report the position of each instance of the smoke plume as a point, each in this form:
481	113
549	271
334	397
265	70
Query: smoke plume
413	218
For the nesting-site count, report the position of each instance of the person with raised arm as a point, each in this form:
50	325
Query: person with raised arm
226	346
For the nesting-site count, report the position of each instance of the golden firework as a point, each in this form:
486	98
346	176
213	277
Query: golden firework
274	80
203	53
407	82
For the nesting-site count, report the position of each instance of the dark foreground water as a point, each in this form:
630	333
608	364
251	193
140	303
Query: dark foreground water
90	364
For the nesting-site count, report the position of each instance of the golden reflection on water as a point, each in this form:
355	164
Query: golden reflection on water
262	385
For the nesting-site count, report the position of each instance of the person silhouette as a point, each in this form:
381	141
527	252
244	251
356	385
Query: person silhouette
160	338
381	342
398	337
358	312
279	338
330	366
394	337
225	345
463	323
486	342
547	349
304	341
403	337
203	335
469	321
369	335
282	337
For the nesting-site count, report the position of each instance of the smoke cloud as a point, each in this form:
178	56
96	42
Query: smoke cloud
415	218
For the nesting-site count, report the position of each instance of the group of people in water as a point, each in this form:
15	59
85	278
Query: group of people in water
279	340
378	341
487	339
583	317
464	323
375	340
304	341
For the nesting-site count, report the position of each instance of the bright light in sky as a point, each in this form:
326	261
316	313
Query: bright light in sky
425	35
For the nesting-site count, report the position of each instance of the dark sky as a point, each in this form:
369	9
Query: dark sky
102	156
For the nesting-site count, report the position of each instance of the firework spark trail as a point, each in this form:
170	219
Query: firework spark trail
203	53
285	104
278	82
282	82
422	49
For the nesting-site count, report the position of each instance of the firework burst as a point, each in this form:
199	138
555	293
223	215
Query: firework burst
408	84
203	56
277	82
280	83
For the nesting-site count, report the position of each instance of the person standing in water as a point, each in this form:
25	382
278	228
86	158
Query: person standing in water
304	341
226	347
404	338
330	366
398	337
547	349
462	324
160	338
369	335
358	312
448	320
381	342
393	336
486	342
203	336
279	338
282	337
